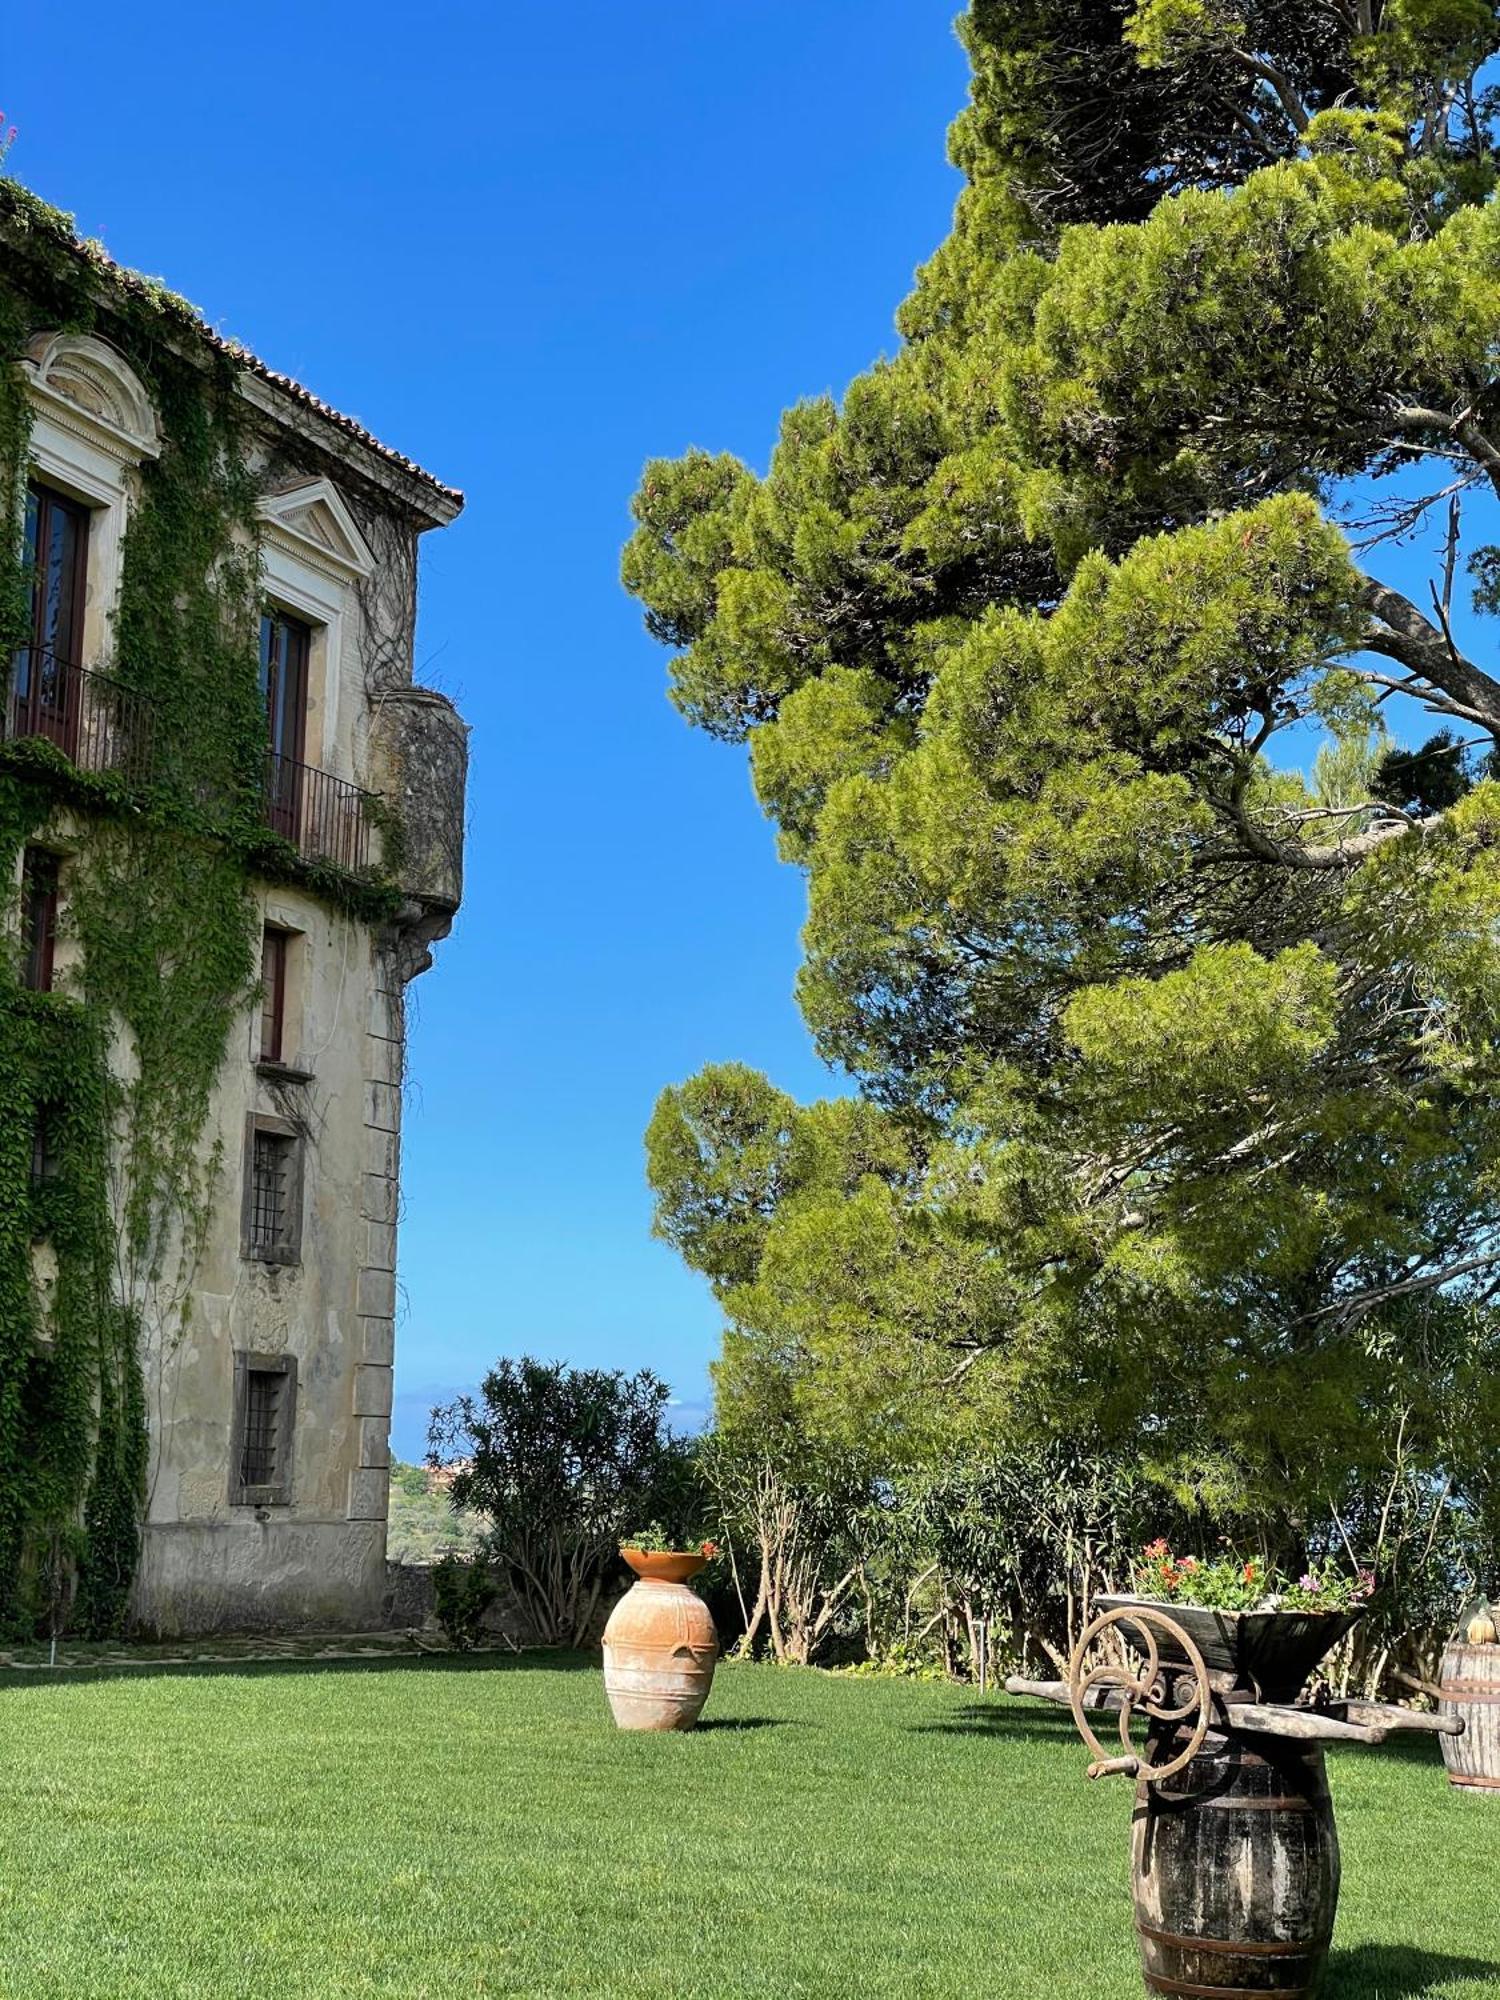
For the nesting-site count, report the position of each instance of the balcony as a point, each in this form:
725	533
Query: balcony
102	726
325	818
99	724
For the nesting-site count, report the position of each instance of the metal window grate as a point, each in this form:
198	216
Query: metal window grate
270	1191
264	1426
260	1451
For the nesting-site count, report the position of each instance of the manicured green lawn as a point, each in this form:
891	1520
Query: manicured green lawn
442	1829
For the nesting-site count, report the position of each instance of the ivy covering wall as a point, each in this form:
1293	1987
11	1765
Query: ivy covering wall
106	1184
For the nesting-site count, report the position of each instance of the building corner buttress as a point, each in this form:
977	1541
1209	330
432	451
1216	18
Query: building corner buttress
426	744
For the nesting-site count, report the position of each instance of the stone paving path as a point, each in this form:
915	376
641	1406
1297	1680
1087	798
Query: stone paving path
72	1655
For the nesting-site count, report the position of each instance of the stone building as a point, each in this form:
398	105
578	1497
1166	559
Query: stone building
233	828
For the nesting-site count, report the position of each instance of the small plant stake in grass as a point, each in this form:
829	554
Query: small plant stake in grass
660	1644
1234	1851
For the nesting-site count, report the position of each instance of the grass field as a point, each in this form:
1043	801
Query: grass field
452	1828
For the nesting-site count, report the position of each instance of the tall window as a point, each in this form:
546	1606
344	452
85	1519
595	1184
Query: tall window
265	1408
44	699
258	1452
38	918
271	1192
273	961
272	1220
284	646
44	1136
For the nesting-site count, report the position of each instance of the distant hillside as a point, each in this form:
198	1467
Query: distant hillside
423	1526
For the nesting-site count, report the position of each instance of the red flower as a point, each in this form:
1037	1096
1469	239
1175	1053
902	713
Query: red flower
710	1548
1250	1572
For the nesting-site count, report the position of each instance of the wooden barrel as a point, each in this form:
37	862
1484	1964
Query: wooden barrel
1235	1866
1470	1682
659	1653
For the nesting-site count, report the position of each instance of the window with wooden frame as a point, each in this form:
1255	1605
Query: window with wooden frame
285	648
45	686
39	882
265	1417
274	952
271	1221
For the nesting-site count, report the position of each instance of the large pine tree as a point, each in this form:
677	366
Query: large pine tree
1068	650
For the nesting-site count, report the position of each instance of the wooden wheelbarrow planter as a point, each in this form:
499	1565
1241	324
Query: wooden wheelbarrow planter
1234	1851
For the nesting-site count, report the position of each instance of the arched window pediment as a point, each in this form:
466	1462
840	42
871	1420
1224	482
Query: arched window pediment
86	386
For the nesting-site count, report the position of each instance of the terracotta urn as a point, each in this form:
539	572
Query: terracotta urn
660	1644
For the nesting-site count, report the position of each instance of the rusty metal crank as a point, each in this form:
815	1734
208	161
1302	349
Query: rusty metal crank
1166	1694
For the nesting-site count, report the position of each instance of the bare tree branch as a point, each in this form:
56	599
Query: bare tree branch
1281	83
1414	686
1462	427
1360	1303
1450	558
1260	845
1405	635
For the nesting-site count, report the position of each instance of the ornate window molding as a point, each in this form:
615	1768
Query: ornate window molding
86	388
311	522
93	425
313	557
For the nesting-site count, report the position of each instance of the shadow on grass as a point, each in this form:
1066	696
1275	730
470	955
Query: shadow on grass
1007	1717
545	1659
1398	1972
745	1722
1406	1747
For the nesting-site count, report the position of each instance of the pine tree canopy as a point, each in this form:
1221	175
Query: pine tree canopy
1081	669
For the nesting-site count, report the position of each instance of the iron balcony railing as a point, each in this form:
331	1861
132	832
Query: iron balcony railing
324	817
99	724
102	726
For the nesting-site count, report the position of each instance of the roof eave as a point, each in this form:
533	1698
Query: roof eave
285	401
435	506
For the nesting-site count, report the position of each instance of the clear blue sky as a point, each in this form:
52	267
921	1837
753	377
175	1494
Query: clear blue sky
532	246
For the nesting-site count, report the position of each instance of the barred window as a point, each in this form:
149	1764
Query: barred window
265	1402
269	1189
272	1221
258	1455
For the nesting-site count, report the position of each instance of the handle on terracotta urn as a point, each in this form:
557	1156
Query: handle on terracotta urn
1168	1696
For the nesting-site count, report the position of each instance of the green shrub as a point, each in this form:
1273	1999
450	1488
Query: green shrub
463	1591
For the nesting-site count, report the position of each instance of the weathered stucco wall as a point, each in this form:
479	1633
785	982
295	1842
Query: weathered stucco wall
344	561
209	1562
333	520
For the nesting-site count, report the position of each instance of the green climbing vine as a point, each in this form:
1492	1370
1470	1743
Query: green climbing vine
106	1184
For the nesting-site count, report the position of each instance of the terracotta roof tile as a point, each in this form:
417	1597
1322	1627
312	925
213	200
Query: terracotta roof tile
32	213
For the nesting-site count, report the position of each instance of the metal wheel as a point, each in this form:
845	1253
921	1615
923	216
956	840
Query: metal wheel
1169	1695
